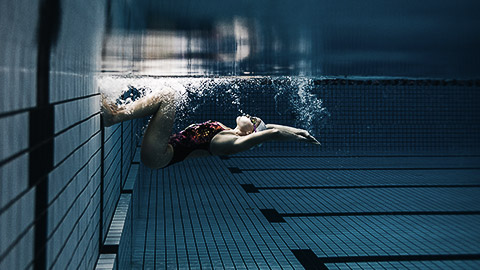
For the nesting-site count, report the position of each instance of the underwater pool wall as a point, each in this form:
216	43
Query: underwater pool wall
61	172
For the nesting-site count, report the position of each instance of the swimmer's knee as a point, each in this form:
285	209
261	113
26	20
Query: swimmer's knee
156	159
168	90
167	94
152	162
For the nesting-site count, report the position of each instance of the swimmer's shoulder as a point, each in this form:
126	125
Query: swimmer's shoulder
222	143
227	132
223	126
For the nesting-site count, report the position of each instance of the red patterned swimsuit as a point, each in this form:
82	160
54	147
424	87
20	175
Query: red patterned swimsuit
194	137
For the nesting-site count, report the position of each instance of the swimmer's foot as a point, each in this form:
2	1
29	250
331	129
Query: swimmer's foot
109	113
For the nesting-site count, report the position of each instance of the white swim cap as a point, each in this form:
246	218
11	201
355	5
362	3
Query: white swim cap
261	126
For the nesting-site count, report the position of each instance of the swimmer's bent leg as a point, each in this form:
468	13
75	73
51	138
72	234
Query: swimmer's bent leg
156	152
142	107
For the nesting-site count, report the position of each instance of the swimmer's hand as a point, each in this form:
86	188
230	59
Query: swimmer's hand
294	134
297	135
306	136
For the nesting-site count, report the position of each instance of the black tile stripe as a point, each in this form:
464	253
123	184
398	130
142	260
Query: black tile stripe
234	170
396	258
310	261
391	213
352	169
344	156
272	215
250	188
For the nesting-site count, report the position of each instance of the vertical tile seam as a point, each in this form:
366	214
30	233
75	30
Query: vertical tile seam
223	191
102	184
41	126
196	196
268	233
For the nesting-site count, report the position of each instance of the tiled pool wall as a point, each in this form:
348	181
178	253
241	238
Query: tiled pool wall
61	172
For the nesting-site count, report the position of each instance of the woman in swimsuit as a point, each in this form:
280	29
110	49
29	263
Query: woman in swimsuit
161	149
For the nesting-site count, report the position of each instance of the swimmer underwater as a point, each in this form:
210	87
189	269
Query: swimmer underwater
160	148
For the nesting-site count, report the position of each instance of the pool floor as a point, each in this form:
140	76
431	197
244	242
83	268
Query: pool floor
294	212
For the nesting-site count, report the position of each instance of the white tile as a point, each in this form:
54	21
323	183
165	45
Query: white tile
13	134
77	55
19	54
84	204
21	255
16	219
13	179
66	142
67	114
67	169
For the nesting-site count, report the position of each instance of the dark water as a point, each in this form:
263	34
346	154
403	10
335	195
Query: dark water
437	39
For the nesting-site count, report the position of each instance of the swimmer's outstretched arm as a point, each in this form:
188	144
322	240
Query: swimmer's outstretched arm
145	106
297	131
227	144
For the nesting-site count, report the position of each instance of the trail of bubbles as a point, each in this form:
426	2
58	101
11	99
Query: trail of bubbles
295	96
308	106
191	93
292	96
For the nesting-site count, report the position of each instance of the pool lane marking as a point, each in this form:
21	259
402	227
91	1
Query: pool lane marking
238	170
273	216
310	260
250	188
